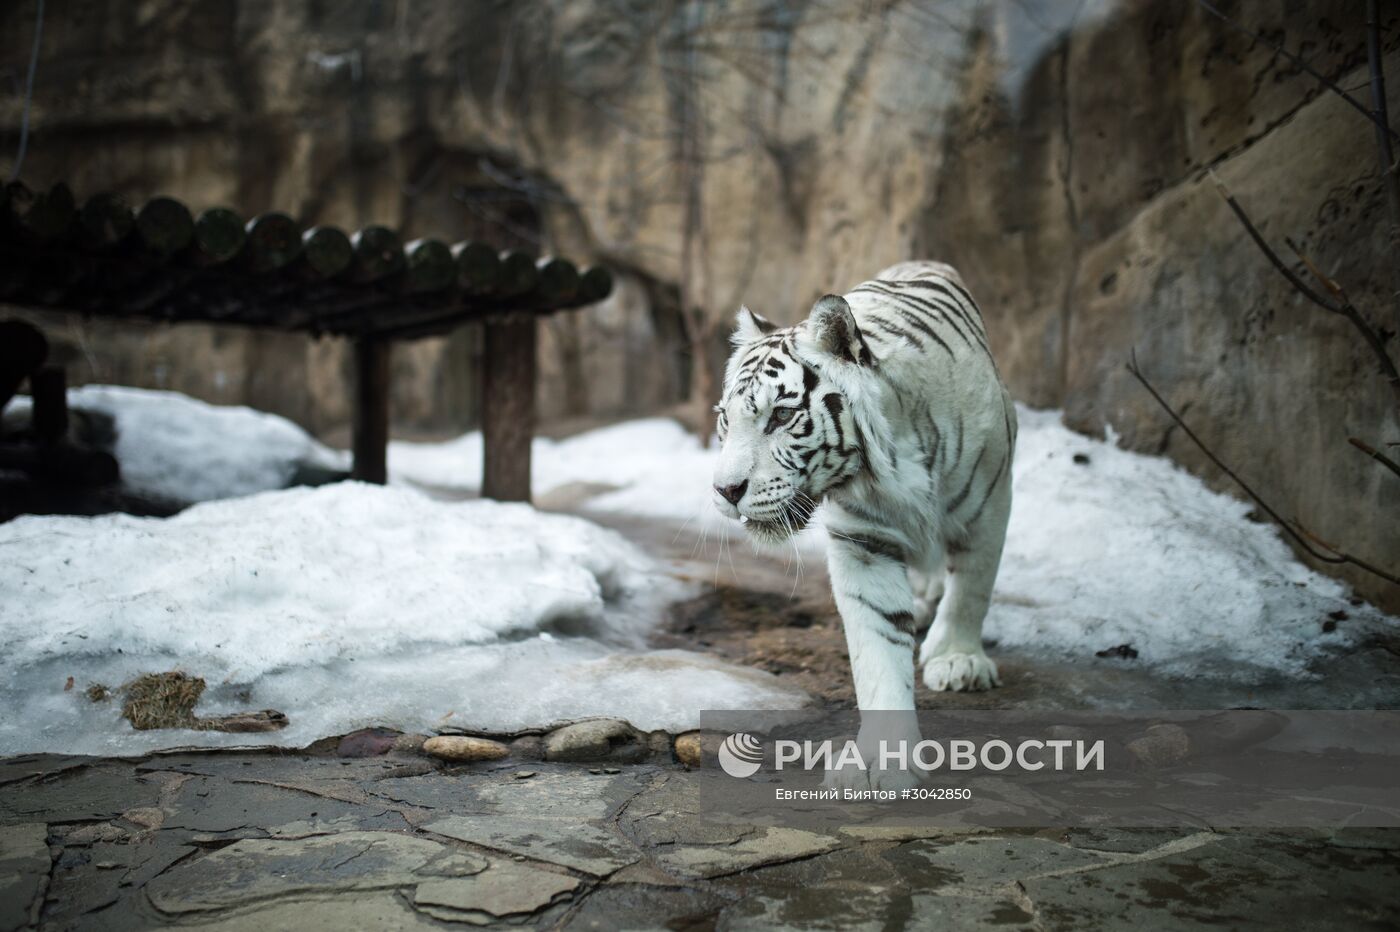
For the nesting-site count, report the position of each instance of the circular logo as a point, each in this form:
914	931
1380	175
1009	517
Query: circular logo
741	755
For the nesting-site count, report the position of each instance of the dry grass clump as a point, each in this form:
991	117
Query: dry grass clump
162	700
167	700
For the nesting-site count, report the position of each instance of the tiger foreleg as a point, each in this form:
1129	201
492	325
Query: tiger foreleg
871	585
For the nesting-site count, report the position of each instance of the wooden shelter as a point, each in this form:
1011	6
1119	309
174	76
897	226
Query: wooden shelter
161	262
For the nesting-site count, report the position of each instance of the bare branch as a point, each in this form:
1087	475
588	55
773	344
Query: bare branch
1337	304
1323	79
1267	250
1375	454
1305	538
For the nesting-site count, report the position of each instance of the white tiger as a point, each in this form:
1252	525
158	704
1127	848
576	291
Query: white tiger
886	407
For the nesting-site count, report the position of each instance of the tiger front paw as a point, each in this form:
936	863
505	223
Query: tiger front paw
959	672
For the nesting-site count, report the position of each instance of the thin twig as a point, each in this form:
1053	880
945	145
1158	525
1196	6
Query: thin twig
1375	454
1323	79
1337	304
1267	250
1326	281
1294	529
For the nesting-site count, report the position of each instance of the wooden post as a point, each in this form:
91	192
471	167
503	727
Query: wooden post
370	430
49	389
508	408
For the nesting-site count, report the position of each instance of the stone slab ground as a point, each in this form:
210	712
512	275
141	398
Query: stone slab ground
267	841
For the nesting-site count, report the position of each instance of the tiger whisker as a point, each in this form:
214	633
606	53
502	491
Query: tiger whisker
797	576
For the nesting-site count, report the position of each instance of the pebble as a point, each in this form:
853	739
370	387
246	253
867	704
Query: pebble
528	747
464	748
409	743
689	750
591	740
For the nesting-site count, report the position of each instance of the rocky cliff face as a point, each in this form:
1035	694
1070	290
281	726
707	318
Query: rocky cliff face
767	151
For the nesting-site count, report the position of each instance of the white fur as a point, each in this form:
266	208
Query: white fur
918	531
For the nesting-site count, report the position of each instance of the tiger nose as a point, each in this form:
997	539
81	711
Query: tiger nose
732	493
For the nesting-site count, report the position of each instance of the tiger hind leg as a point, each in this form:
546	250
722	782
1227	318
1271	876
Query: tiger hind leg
951	655
927	585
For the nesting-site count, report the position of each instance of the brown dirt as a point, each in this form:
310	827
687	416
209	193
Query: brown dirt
794	637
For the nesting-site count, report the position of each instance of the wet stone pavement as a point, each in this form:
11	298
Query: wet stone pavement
269	841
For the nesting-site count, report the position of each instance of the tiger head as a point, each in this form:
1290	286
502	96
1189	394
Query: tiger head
787	428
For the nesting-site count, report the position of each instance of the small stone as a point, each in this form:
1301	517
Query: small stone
659	743
107	865
367	742
523	774
591	740
690	749
612	770
1161	746
528	747
409	743
464	748
630	753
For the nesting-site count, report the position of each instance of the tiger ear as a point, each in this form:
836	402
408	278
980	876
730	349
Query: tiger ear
833	327
749	326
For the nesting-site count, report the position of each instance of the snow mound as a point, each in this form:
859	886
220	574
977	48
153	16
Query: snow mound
1132	549
1124	549
174	447
343	606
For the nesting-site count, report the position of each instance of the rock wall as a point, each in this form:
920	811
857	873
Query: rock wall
1054	150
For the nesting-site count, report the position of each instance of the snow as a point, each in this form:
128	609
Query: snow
654	464
1132	549
174	447
342	606
352	605
1123	549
